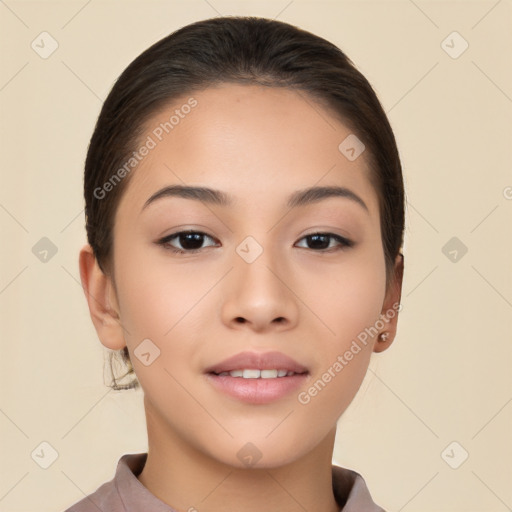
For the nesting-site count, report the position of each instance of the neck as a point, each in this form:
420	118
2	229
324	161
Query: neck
189	480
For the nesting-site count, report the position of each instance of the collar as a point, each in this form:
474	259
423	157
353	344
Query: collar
349	487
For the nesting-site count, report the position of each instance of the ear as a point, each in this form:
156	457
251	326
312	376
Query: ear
390	306
101	298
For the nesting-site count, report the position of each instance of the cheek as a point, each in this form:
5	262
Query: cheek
161	302
144	299
350	306
348	296
349	303
155	292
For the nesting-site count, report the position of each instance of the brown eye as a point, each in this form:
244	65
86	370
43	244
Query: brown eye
322	241
190	241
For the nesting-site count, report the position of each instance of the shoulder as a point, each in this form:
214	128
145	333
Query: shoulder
109	496
351	491
105	497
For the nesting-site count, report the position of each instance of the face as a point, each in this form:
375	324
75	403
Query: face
253	278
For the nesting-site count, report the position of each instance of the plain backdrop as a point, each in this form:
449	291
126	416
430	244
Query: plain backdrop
430	427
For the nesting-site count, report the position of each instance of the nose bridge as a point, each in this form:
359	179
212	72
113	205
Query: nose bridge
258	293
257	263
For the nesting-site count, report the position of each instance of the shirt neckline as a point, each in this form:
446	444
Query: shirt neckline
349	488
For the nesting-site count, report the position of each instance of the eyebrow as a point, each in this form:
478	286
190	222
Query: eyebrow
217	197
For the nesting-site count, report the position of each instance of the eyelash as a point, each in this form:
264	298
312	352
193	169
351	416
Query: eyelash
345	243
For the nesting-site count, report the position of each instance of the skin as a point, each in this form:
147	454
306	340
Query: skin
260	145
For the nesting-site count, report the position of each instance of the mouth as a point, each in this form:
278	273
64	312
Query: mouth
257	378
252	373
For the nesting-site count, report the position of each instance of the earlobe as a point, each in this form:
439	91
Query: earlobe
99	292
390	308
384	340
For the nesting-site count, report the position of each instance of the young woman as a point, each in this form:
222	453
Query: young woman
245	216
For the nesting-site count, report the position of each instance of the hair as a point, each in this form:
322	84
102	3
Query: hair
239	50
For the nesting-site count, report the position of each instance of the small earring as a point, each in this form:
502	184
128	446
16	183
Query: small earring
383	336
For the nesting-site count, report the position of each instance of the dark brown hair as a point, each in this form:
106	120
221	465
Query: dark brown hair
242	50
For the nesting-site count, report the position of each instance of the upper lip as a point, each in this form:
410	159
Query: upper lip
257	361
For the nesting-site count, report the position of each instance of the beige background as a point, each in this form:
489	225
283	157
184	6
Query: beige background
448	375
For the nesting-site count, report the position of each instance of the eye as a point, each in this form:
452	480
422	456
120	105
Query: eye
321	241
192	241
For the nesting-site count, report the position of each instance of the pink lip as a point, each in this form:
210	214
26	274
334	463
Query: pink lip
257	391
257	361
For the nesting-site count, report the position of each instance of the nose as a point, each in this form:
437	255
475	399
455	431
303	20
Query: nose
259	295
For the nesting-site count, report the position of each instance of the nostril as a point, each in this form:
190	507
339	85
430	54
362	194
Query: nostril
242	320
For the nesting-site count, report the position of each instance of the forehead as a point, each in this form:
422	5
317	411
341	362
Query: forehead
260	144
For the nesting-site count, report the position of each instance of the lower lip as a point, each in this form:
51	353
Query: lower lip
257	391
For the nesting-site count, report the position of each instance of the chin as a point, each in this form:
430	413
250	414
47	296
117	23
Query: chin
261	452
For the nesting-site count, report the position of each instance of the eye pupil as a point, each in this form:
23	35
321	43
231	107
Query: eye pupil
322	244
195	238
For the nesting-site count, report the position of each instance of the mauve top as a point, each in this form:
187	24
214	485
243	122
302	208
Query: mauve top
124	493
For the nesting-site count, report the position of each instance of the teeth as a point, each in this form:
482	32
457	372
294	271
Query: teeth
257	374
251	374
